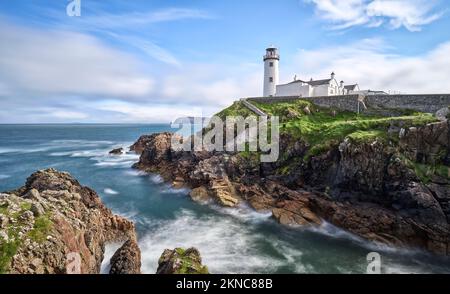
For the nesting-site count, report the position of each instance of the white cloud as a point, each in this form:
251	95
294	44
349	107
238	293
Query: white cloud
411	14
48	63
150	48
64	114
127	20
129	112
218	85
370	63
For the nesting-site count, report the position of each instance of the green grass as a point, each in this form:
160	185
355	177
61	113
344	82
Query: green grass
41	228
188	266
237	109
367	136
326	127
24	206
3	210
7	251
425	172
323	128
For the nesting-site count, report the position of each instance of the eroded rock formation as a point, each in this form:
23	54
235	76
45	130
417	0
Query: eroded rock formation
54	225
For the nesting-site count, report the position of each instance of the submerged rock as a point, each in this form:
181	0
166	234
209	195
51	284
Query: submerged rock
117	151
127	259
181	261
200	195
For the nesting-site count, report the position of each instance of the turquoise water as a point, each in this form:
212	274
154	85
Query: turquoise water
230	240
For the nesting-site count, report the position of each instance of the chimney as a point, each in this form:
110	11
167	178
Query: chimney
332	75
342	84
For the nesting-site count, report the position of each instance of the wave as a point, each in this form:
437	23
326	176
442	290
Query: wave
244	213
135	173
8	150
3	176
176	191
156	179
110	191
110	249
225	245
77	143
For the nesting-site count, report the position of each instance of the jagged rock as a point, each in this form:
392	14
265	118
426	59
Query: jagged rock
54	216
295	213
306	110
181	261
117	151
200	195
178	183
127	259
3	221
362	166
443	114
37	209
427	144
364	187
140	144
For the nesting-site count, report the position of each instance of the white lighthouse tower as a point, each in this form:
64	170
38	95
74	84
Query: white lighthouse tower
271	71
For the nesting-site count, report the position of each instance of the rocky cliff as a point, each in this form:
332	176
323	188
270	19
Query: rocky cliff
392	187
181	261
54	225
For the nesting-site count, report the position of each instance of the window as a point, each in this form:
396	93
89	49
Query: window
271	80
271	64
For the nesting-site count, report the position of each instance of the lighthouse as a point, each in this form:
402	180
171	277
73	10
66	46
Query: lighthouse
271	71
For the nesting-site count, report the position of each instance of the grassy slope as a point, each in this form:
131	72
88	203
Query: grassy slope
323	128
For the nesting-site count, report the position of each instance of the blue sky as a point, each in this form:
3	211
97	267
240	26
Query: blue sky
151	61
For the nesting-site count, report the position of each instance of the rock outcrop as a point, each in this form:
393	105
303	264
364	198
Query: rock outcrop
117	151
127	259
368	187
54	225
181	261
140	144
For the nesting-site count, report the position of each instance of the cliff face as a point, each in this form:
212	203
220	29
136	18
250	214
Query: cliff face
374	188
53	223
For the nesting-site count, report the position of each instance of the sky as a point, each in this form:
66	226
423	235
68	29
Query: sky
150	61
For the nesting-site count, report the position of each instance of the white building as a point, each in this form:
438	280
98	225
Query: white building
311	88
271	71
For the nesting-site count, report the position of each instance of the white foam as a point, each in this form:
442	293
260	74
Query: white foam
226	245
3	176
8	150
110	191
156	179
110	249
135	173
177	191
244	213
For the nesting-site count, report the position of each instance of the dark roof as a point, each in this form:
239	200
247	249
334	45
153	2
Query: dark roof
319	82
350	87
297	81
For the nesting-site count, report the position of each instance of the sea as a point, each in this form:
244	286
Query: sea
230	240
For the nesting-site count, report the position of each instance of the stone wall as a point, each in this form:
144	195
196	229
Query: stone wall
344	102
386	103
423	103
